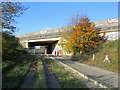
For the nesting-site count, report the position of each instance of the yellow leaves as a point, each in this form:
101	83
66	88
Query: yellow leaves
103	34
86	45
83	37
101	41
98	43
95	46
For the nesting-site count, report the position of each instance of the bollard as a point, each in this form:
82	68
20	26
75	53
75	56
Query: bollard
93	56
106	59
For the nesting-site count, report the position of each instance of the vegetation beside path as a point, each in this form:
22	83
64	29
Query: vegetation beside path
65	78
15	77
40	80
6	65
109	48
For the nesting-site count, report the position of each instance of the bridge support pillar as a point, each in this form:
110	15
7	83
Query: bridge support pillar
45	51
24	44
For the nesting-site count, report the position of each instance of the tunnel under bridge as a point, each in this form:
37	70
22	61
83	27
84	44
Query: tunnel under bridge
50	44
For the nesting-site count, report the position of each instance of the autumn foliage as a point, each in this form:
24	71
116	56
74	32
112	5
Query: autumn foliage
84	37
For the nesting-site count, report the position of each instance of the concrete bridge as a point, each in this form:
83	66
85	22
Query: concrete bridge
50	37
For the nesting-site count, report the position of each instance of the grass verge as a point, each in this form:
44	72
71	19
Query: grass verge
65	78
15	77
7	64
109	48
40	80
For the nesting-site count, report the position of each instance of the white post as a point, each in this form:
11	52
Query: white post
93	56
45	51
80	52
106	59
34	51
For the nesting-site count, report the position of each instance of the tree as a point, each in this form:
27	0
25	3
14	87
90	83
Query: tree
82	37
10	44
11	10
66	31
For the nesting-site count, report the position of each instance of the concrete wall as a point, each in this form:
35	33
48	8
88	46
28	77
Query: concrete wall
109	35
112	35
24	43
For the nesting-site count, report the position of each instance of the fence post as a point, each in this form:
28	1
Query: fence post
34	51
45	51
93	56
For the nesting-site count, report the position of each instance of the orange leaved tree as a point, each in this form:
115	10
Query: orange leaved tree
84	37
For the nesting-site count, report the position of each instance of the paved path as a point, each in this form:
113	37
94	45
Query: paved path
109	79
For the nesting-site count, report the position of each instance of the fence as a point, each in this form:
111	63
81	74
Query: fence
37	51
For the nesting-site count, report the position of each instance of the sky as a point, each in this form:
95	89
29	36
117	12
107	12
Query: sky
48	15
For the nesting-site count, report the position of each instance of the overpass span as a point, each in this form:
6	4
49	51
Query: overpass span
50	37
103	25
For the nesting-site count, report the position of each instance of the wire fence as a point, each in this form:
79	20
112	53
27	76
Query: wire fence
37	51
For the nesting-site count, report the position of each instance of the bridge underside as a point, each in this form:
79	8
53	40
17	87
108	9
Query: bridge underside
50	45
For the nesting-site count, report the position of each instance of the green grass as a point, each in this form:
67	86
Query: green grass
110	49
7	64
65	78
66	56
15	77
40	80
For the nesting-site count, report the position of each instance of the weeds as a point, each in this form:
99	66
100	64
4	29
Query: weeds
64	77
40	81
15	77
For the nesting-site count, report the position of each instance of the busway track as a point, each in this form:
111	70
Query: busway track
51	80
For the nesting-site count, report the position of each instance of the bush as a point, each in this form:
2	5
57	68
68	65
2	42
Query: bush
107	48
10	47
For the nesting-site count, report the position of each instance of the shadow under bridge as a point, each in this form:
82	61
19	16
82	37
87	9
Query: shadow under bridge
50	45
